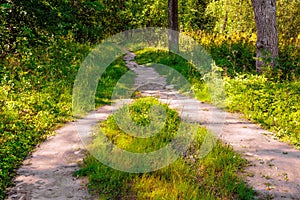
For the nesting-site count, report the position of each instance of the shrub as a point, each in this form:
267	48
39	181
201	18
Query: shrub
275	105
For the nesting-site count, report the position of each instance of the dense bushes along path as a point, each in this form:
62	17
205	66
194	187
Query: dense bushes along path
48	172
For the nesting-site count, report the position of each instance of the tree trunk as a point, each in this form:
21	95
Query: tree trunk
225	17
173	25
225	22
267	34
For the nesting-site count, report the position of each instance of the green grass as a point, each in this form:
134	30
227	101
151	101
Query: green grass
109	79
273	104
150	56
36	98
189	177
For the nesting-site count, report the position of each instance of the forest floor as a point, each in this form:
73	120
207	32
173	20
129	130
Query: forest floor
272	169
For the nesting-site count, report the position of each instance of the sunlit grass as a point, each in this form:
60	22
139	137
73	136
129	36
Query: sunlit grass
189	177
109	79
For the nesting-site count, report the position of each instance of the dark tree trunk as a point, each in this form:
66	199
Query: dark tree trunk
225	17
173	25
267	34
225	22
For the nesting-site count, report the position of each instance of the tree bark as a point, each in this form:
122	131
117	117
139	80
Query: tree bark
225	22
267	34
225	17
173	25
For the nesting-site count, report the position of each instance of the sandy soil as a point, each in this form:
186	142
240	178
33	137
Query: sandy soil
48	172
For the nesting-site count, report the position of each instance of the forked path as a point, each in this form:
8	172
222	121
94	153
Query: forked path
273	169
48	173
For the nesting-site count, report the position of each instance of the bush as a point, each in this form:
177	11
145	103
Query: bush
236	53
275	105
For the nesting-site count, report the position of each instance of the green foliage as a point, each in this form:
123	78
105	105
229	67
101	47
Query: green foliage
231	16
26	118
154	13
192	15
33	22
109	79
189	177
268	99
289	59
146	13
236	53
273	104
186	69
288	20
235	21
35	95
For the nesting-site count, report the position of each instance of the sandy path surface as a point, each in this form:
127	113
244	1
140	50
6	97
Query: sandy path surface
48	172
273	170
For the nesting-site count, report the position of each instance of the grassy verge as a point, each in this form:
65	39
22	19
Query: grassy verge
108	81
36	98
189	177
269	101
273	104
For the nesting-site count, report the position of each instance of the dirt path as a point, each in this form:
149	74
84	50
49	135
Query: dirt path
48	172
273	170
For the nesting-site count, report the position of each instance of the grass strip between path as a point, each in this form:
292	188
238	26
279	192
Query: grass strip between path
189	177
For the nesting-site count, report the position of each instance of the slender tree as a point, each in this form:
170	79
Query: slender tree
225	17
173	24
267	34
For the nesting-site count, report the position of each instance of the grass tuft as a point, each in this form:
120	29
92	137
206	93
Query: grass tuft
189	177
